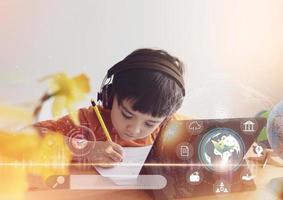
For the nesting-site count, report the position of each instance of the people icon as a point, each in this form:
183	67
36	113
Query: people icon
221	187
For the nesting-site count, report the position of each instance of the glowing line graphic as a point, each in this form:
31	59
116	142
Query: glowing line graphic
16	164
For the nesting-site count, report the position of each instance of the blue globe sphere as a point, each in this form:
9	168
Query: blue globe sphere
275	129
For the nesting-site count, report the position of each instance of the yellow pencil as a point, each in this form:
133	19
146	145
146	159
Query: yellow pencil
266	159
104	128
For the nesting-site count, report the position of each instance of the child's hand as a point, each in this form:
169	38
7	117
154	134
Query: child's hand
106	153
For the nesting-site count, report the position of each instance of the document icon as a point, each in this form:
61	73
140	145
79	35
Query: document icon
185	151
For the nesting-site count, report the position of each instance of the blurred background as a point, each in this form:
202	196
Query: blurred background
232	49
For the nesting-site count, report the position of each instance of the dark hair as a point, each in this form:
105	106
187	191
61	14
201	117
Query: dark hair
152	92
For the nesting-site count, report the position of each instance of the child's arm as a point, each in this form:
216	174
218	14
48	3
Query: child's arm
105	154
103	151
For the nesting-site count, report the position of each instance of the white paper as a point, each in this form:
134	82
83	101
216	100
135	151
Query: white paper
128	170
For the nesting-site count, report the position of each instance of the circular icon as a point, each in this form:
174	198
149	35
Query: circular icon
246	177
194	127
259	149
221	150
249	126
59	181
221	187
194	176
184	151
81	140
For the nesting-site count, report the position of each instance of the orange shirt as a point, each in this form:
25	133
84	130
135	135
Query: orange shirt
88	118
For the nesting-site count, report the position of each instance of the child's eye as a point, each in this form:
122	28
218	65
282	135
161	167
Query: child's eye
126	116
149	125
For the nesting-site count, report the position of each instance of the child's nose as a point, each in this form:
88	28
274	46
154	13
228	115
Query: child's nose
133	129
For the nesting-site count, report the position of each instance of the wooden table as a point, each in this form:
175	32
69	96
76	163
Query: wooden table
263	176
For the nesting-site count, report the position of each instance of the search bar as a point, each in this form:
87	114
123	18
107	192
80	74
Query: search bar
98	182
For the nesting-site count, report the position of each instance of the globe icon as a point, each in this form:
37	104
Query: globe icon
275	129
221	150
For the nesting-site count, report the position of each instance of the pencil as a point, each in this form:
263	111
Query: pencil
265	160
104	128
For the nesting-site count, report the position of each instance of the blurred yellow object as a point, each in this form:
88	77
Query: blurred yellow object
23	152
13	184
26	152
66	92
18	145
53	156
14	116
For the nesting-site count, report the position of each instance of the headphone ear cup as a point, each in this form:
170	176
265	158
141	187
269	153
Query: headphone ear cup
106	96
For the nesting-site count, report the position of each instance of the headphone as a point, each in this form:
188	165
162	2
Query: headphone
139	60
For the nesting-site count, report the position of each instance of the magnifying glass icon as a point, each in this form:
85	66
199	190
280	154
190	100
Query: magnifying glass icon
59	181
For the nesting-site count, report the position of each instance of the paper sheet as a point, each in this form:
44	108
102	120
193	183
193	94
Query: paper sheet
128	170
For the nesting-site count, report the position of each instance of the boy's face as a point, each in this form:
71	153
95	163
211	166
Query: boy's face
130	124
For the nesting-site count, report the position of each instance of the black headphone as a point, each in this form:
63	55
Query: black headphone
138	60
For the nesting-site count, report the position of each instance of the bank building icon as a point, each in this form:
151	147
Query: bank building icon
249	126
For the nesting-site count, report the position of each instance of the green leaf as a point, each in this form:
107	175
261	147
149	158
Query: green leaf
263	133
227	148
217	146
262	136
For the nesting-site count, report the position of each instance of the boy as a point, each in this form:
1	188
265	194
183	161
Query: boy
146	90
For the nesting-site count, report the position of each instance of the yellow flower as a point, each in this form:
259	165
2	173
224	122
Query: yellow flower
24	152
68	91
